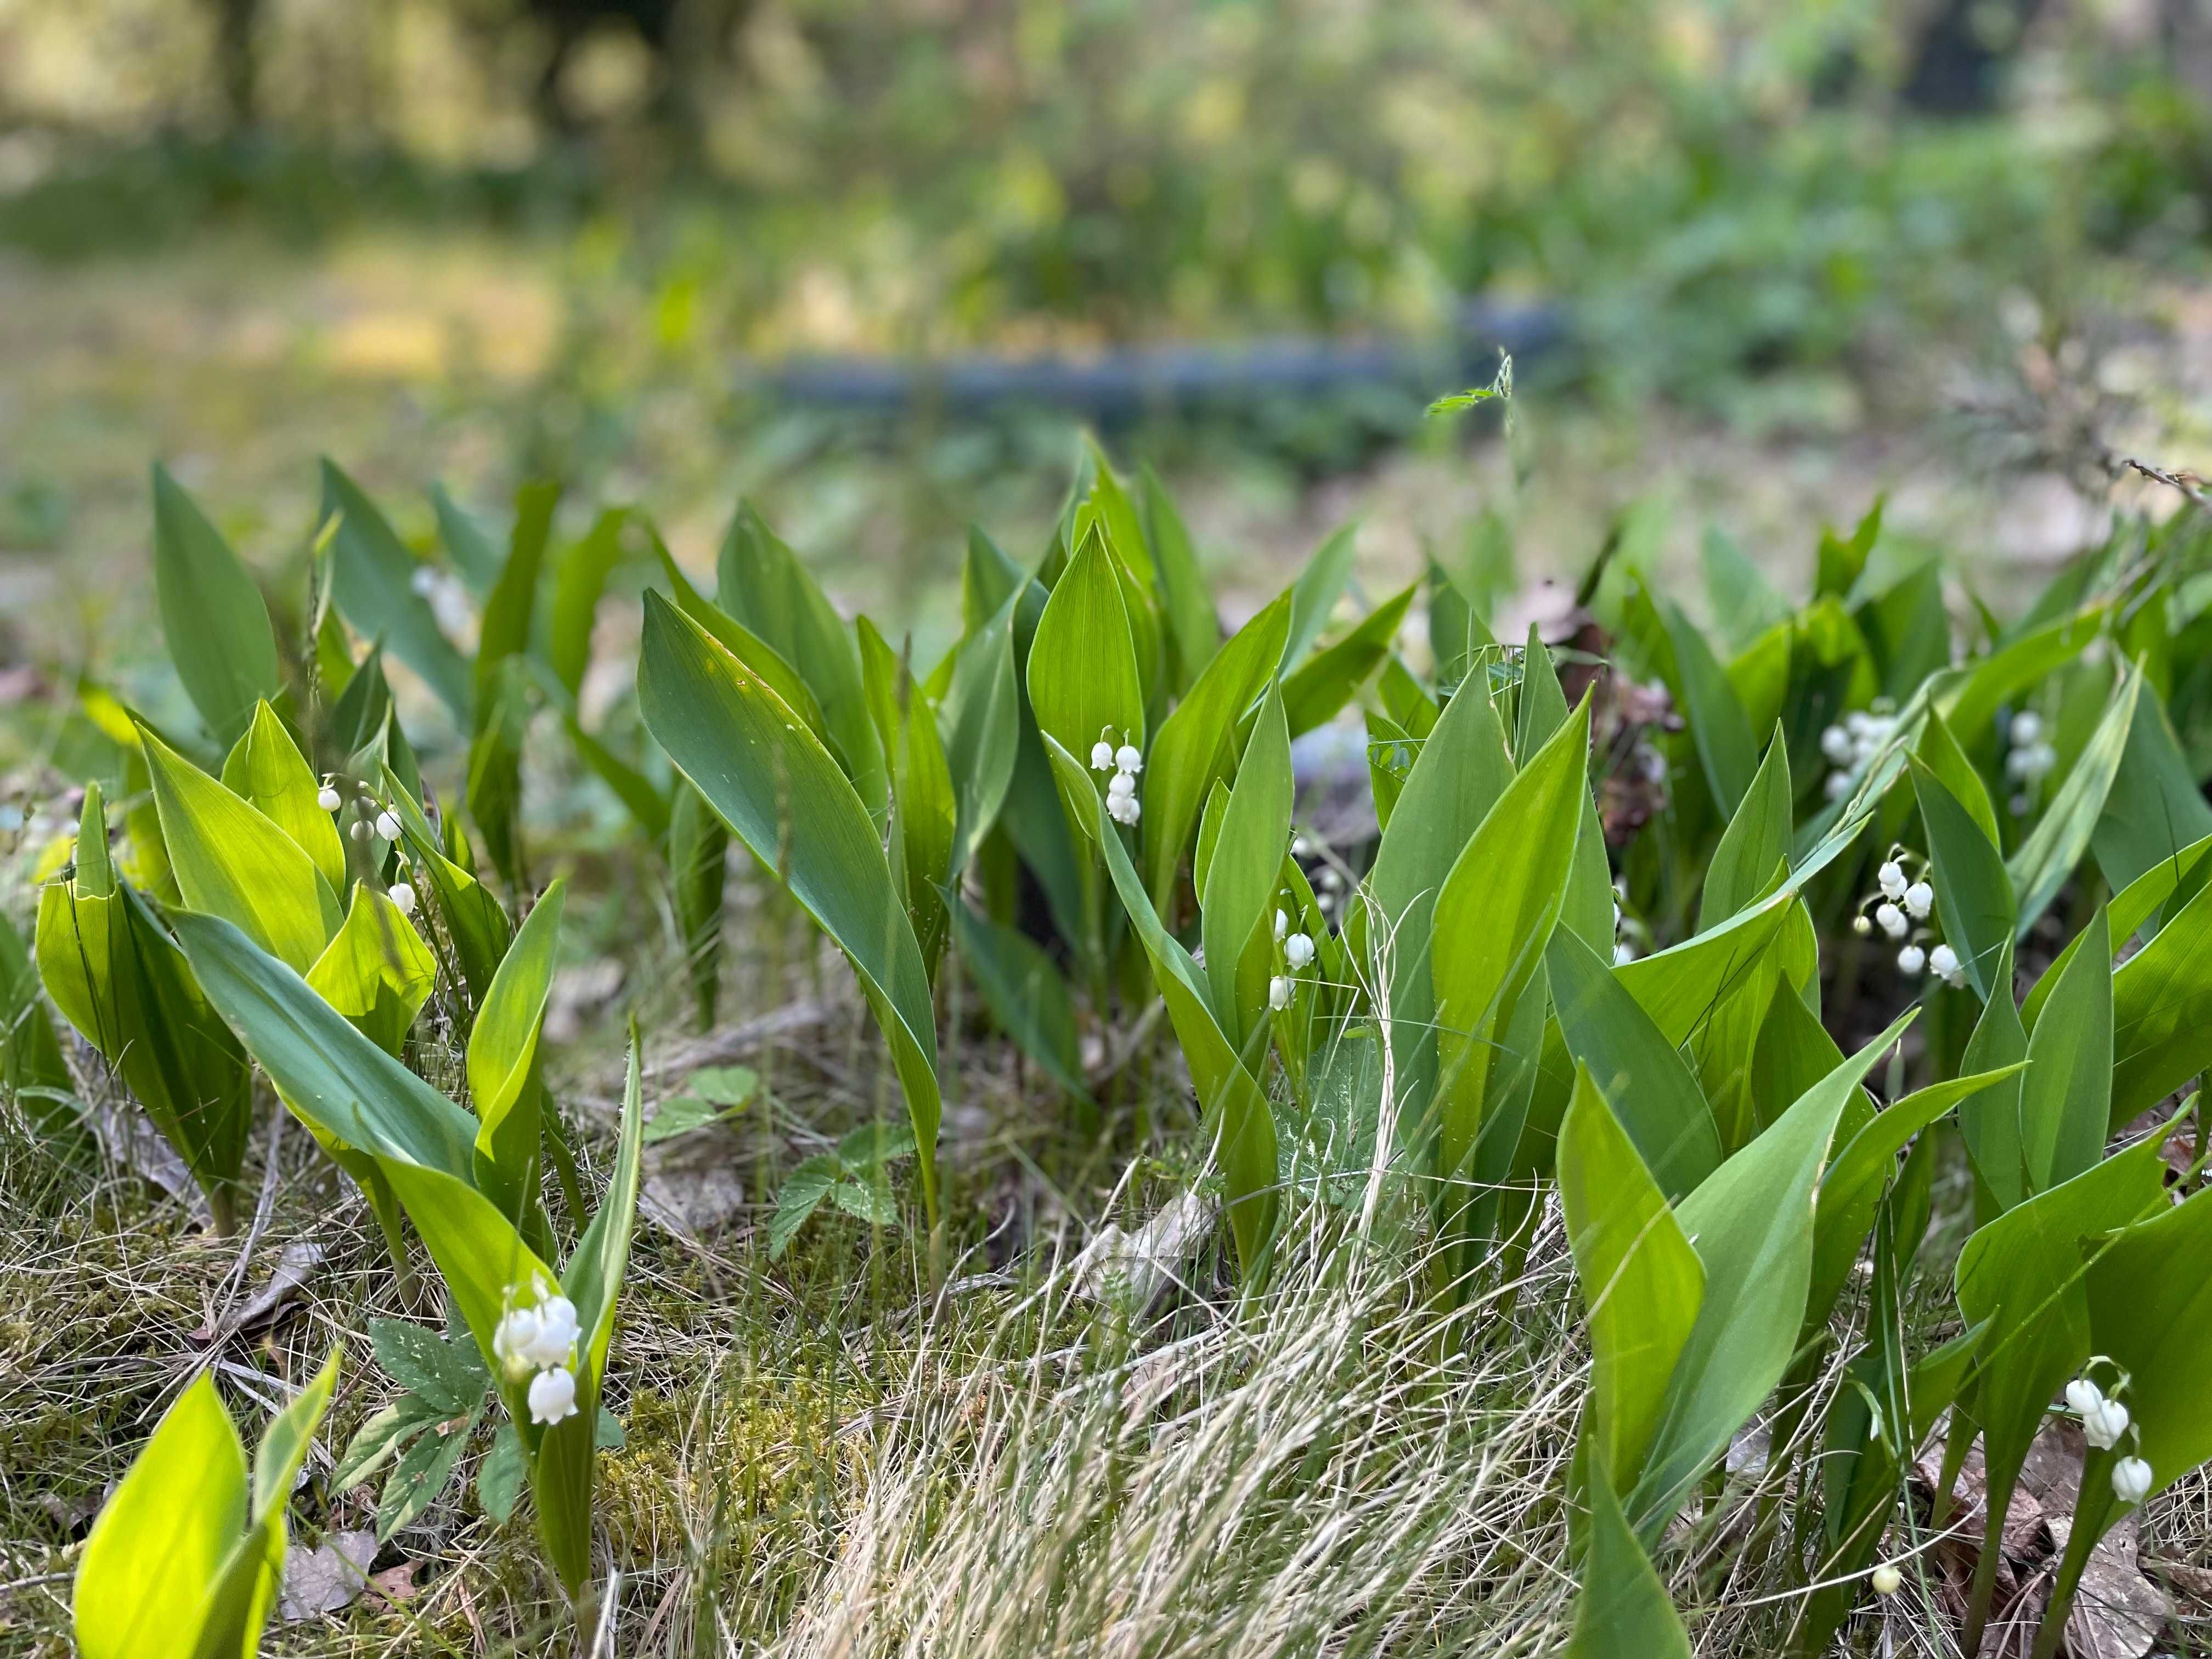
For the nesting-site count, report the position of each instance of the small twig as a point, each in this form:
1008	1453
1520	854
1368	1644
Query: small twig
2159	475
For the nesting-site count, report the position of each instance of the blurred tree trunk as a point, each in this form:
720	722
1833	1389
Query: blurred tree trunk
236	62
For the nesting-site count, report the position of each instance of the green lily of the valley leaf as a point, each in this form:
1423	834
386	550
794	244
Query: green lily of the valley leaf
2065	1097
1315	593
377	971
780	675
474	921
762	583
2047	859
2023	1275
513	602
266	768
1237	889
1642	1283
1234	1107
1751	1223
1184	602
1754	848
1643	1076
1623	1611
1722	732
188	1555
1990	1123
372	580
329	1073
2135	906
1973	894
213	616
2150	1310
1852	1189
1023	987
983	708
2153	808
698	872
1326	681
1494	917
1197	744
579	578
1462	771
504	1060
117	977
2162	1012
151	1562
468	544
924	809
233	862
1083	679
784	796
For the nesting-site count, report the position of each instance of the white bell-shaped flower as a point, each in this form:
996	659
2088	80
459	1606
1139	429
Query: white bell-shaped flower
1279	992
1891	877
2027	729
2103	1427
1943	963
358	830
1298	951
329	799
1836	744
552	1396
1887	1579
1919	900
388	826
1890	919
517	1333
403	897
1282	924
1102	755
1910	960
1128	758
1623	954
1120	784
555	1336
2083	1396
1837	785
2131	1480
1122	809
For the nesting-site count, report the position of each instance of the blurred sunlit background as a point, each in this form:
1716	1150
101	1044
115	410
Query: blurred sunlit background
1758	261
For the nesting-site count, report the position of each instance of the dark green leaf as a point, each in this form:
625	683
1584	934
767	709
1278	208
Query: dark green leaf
212	614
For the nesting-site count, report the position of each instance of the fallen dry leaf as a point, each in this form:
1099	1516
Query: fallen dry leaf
2117	1612
1136	1267
302	1259
328	1578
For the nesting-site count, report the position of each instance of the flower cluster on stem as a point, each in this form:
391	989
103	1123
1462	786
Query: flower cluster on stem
1905	901
1298	953
1852	744
538	1339
2029	758
1124	763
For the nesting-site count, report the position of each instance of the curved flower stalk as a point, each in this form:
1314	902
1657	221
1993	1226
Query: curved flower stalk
188	1555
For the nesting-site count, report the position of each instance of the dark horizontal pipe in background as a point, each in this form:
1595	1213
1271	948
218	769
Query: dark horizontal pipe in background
1123	386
